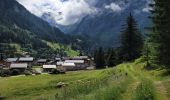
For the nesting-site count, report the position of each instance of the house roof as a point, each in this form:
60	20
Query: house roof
11	59
57	58
74	61
66	58
49	66
68	64
80	57
26	59
60	63
19	65
41	60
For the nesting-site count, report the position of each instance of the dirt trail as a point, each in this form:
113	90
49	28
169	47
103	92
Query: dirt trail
130	90
161	90
137	75
128	95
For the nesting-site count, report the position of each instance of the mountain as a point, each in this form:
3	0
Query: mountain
105	27
21	31
12	13
102	20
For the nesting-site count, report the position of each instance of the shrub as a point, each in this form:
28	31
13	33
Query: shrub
35	72
15	72
55	71
5	73
27	72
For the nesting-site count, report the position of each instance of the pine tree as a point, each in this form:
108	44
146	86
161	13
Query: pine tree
80	54
146	53
160	32
131	41
111	58
99	58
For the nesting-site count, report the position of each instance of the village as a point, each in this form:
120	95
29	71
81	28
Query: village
29	65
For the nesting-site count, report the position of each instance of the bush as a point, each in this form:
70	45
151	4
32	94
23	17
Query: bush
27	72
5	73
55	71
35	72
15	72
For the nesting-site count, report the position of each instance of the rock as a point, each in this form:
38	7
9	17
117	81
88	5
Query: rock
61	84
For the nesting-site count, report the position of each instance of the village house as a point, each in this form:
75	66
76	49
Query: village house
66	58
59	63
41	62
49	68
28	60
79	64
86	59
57	59
9	61
68	66
19	66
80	58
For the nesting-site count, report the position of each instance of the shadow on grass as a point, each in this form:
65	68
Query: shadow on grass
166	73
149	68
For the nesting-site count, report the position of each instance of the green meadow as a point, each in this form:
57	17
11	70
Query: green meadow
129	81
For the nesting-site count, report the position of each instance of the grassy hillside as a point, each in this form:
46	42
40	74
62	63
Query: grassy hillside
125	82
67	49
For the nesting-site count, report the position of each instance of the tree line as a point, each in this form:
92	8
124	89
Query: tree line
129	50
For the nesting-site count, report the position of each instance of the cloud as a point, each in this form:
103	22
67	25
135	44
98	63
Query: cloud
114	7
64	12
147	8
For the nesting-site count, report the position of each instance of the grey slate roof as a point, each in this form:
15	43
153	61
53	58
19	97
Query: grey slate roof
11	59
57	58
42	60
75	61
26	59
49	66
80	57
19	65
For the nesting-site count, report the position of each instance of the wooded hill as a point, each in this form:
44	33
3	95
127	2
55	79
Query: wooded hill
19	26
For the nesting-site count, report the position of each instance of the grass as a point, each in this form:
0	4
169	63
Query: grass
67	49
145	91
129	81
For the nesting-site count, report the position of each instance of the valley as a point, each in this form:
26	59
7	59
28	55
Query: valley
84	50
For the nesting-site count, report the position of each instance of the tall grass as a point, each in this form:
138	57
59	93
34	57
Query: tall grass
111	93
103	87
84	87
78	88
145	91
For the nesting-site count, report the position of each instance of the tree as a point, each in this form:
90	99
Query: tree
131	40
146	53
160	32
111	58
80	54
99	58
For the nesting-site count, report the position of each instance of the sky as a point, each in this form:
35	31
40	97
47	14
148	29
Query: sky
65	12
68	12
